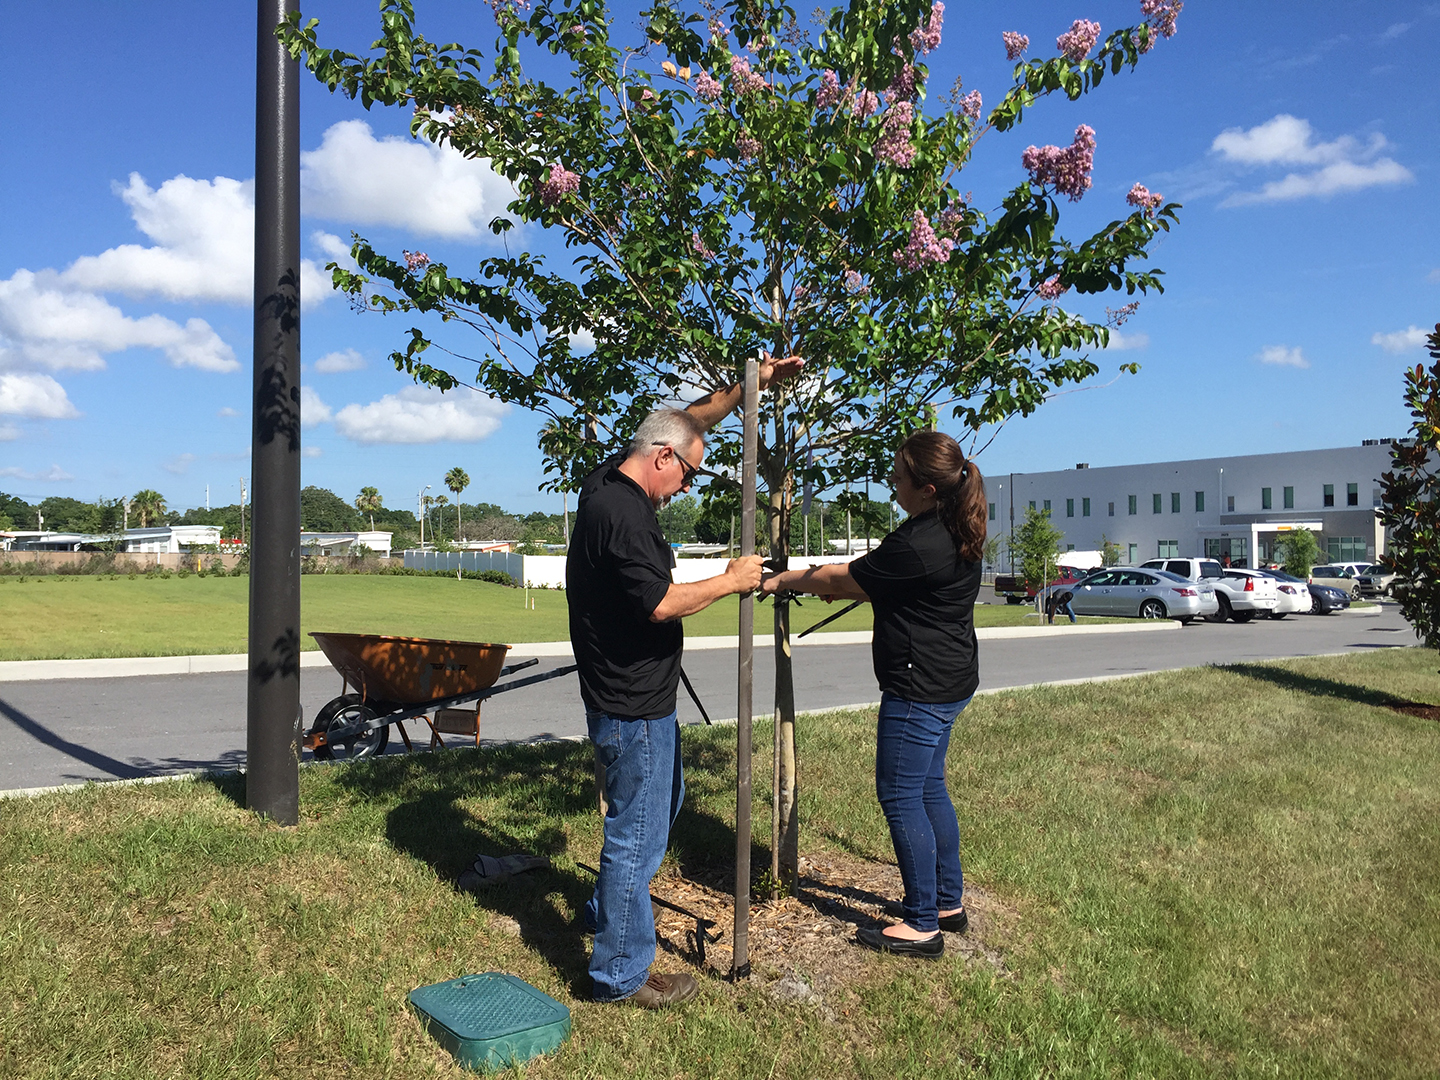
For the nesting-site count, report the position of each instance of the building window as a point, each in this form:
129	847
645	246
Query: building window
1174	502
992	511
1047	507
1156	502
1084	507
1329	499
1069	547
1032	504
1346	548
1112	509
1266	502
1168	549
1134	550
1199	502
1375	499
1289	496
1229	504
1132	504
1352	494
1069	507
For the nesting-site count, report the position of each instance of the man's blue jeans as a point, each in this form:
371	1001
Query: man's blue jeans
910	747
644	786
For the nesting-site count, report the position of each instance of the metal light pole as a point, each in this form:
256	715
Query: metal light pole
272	747
740	962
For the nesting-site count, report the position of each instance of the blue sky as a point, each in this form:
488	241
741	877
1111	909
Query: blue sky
1302	140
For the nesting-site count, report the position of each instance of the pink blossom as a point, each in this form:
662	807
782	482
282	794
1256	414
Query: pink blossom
925	38
1141	196
1116	317
903	88
1015	44
560	184
894	144
1050	288
743	80
799	292
865	104
971	105
707	88
951	219
829	92
699	247
578	28
924	247
718	29
1068	169
1075	44
746	145
647	95
1160	16
416	260
855	284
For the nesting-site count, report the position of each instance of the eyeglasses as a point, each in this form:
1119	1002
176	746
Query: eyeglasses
690	470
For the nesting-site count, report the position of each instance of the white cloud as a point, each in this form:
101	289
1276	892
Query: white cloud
227	411
312	410
361	180
179	465
1121	342
421	415
1395	30
55	474
37	396
8	432
311	451
1341	165
1282	356
204	233
44	325
336	362
1433	276
1399	341
582	341
334	249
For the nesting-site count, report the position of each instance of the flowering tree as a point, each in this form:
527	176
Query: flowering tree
733	182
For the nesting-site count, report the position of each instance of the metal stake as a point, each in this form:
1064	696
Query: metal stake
272	745
740	963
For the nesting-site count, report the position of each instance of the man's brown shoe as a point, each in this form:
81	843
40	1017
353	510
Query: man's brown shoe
661	991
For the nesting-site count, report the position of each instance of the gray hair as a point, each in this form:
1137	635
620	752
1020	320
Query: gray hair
674	428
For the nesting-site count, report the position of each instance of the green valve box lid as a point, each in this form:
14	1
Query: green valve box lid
492	1020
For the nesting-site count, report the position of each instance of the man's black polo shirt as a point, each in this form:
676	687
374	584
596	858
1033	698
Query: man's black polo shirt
616	574
924	595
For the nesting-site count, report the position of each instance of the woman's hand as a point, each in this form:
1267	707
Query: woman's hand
770	584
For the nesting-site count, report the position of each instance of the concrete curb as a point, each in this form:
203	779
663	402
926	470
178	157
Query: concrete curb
126	667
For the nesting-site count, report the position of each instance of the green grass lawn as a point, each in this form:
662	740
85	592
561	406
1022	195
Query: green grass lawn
1222	872
62	616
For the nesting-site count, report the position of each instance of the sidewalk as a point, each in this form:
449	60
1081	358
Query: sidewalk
122	667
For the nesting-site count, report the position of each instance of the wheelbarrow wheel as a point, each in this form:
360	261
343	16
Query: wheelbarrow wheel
341	712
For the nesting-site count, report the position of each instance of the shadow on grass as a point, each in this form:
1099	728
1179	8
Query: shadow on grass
1322	687
541	789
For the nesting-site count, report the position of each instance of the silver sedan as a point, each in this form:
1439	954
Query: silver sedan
1125	591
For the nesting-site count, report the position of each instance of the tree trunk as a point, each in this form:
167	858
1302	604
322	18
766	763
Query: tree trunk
785	820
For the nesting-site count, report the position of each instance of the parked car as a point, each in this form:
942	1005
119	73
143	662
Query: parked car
1015	591
1326	599
1294	594
1337	577
1146	594
1239	595
1377	580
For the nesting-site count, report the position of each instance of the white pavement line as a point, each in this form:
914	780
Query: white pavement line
126	667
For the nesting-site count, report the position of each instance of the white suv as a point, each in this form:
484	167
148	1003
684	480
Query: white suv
1243	594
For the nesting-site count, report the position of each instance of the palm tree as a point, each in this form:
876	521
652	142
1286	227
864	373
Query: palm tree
148	504
457	480
368	501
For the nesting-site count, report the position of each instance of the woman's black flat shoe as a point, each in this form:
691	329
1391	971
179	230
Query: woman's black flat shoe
872	938
955	924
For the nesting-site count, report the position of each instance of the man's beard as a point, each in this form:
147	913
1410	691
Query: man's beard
662	502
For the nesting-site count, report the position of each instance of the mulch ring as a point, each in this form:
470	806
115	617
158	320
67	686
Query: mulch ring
803	946
1417	709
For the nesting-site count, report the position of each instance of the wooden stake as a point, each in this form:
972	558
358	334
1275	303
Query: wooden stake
740	964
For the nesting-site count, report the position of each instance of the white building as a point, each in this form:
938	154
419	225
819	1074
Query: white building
1236	506
345	543
158	540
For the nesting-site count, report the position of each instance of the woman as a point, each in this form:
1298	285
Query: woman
922	581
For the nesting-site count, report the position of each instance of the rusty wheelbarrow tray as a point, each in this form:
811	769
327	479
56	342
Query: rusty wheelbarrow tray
408	678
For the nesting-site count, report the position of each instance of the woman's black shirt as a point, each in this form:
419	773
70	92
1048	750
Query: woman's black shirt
923	594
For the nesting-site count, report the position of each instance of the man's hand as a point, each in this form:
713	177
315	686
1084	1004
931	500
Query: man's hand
770	585
745	573
773	369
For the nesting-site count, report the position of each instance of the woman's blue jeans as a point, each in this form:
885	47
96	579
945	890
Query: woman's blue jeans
644	787
910	747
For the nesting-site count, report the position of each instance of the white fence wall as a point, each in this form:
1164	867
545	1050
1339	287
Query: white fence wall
548	571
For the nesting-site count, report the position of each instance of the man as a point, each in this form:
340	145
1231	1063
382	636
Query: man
625	629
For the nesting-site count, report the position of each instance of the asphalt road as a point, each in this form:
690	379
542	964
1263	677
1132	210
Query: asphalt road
69	731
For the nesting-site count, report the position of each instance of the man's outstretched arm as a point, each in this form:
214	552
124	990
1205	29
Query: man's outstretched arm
715	406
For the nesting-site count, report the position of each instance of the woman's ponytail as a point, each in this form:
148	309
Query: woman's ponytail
931	457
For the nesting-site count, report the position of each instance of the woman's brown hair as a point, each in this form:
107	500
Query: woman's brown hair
932	457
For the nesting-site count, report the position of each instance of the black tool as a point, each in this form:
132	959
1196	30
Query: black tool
694	696
830	618
702	924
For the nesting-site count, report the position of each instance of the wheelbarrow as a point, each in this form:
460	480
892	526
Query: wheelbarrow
389	680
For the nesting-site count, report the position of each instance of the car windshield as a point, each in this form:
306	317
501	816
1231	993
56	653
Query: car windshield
1280	575
1168	576
1376	569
